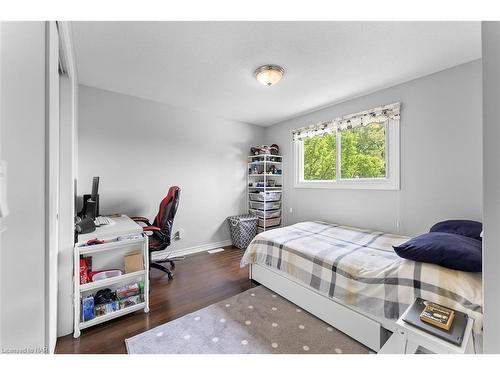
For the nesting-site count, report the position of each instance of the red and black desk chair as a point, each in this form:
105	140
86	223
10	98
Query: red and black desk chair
162	229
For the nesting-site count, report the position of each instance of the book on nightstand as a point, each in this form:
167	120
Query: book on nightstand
437	315
440	321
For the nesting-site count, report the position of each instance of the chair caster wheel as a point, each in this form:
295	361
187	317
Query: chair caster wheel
170	277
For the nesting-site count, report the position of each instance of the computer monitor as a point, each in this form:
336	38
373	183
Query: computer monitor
95	188
91	201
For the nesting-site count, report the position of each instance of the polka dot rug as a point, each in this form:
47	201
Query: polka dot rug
257	321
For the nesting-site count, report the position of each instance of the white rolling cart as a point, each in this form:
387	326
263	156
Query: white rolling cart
121	238
265	190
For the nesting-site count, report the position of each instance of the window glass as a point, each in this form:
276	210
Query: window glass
363	152
320	156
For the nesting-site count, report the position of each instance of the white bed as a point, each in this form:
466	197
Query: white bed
352	278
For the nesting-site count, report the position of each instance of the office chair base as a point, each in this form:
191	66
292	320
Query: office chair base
172	264
164	269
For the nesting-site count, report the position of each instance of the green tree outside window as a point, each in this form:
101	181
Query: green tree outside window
320	155
362	154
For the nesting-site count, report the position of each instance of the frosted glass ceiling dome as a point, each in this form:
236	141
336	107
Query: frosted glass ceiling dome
269	75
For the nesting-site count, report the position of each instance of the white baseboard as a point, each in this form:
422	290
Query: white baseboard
191	250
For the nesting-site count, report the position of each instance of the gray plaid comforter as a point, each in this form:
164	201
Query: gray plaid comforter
360	268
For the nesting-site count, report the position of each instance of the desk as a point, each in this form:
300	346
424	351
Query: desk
123	226
121	238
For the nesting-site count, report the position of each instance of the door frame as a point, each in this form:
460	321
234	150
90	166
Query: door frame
67	176
51	182
61	125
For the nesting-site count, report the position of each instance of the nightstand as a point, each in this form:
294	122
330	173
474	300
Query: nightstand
407	339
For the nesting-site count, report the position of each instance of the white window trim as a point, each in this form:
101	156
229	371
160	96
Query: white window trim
390	182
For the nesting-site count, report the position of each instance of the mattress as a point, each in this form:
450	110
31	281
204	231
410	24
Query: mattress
360	268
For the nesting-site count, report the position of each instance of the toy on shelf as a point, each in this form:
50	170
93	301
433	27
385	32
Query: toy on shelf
265	149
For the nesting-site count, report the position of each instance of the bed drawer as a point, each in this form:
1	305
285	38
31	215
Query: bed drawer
361	328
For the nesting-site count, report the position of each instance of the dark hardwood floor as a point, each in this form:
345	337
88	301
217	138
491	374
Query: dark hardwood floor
200	280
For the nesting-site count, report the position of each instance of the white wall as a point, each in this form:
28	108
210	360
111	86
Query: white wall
441	161
491	157
22	297
140	148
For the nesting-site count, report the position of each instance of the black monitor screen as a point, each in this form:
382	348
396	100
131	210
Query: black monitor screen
95	188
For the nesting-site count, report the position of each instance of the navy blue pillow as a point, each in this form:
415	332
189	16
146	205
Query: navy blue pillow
468	228
445	249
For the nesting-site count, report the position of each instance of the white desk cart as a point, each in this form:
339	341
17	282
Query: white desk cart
122	237
265	190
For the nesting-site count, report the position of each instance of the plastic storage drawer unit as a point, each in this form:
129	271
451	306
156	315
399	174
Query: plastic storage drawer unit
267	214
265	205
270	222
268	196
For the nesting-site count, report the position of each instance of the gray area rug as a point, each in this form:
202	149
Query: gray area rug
252	322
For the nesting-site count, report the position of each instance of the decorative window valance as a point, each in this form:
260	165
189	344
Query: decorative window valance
378	114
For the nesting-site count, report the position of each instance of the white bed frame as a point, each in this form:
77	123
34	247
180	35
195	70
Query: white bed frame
371	331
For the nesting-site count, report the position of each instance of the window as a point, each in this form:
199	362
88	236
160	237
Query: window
320	156
359	151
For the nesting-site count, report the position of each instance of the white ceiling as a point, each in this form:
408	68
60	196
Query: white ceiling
208	66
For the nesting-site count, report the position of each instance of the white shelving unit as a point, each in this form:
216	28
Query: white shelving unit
265	190
121	238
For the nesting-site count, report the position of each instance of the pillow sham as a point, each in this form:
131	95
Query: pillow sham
468	228
445	249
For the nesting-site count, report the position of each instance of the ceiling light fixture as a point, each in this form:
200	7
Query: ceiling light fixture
269	75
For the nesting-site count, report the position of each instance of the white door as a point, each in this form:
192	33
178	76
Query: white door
52	194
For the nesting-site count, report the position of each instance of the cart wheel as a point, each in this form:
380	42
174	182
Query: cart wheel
76	334
146	310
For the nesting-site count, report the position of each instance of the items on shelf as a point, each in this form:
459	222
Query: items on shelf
104	274
265	149
268	183
106	301
87	308
95	241
274	170
128	290
130	301
85	269
134	262
106	308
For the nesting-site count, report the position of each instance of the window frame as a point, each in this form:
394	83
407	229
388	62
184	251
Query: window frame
392	160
